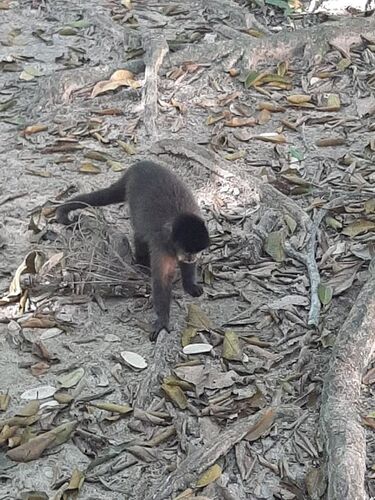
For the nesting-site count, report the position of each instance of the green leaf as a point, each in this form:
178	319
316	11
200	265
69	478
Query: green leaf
325	293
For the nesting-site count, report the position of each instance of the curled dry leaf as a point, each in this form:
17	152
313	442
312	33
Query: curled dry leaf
40	392
134	360
271	137
113	407
262	426
197	348
4	402
120	78
71	379
330	141
237	121
31	264
34	448
298	99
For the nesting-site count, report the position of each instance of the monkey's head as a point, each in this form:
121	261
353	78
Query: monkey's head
189	237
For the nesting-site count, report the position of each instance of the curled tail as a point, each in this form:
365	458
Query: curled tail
107	196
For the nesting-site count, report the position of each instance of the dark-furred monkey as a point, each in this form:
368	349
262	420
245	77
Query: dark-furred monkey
168	228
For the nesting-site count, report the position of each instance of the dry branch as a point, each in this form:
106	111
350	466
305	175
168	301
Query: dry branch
342	432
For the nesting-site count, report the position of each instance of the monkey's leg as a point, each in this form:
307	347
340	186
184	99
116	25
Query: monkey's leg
162	270
189	279
142	253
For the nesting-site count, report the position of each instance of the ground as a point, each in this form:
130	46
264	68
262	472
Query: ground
268	116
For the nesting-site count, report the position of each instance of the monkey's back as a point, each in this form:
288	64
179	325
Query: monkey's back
155	196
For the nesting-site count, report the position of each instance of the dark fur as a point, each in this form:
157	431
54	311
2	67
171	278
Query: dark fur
166	220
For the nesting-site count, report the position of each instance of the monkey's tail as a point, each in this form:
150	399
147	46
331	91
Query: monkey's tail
115	193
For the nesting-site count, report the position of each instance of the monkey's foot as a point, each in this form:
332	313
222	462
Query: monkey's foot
194	289
157	328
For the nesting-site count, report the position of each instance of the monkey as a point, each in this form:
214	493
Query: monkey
168	227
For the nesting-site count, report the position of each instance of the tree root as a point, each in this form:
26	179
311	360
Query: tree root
342	433
156	48
281	46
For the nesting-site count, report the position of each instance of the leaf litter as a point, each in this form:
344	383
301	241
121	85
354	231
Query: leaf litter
237	393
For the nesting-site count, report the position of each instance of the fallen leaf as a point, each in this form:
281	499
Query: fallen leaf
325	293
176	395
262	426
274	245
123	409
89	168
34	448
330	141
360	226
238	121
40	392
4	402
76	481
298	99
187	335
231	346
30	409
71	379
196	318
34	129
208	477
120	78
271	137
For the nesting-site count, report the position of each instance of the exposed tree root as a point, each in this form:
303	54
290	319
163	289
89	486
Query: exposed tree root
342	433
156	48
282	45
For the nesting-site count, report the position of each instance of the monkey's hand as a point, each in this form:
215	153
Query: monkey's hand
62	217
194	289
157	328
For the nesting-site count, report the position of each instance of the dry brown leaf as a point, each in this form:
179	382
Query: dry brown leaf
187	335
176	395
330	141
34	129
34	448
120	78
238	121
123	409
270	106
298	99
271	137
262	426
360	226
264	117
